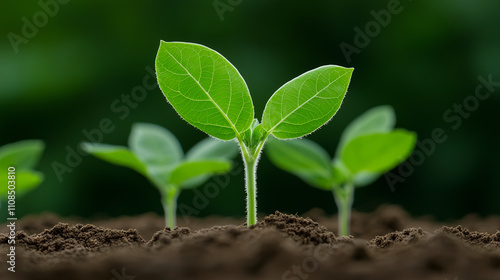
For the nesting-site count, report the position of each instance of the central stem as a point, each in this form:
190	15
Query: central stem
251	188
344	198
170	206
250	155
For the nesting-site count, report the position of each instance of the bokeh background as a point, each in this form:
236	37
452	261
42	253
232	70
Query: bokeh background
66	77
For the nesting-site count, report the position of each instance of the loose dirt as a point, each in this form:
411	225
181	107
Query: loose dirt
386	244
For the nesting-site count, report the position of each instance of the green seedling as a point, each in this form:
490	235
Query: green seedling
155	153
17	161
369	147
208	92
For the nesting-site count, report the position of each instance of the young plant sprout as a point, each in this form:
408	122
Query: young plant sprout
155	153
18	160
369	147
208	92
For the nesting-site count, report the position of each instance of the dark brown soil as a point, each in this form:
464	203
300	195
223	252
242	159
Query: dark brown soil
386	244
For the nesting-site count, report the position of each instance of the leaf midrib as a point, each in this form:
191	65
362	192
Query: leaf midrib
300	106
208	95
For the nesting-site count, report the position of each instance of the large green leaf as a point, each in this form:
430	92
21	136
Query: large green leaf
26	180
378	152
304	158
158	149
22	154
379	119
204	88
210	148
307	102
118	155
192	169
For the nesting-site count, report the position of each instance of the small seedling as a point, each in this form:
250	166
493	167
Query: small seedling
208	92
17	161
155	153
369	147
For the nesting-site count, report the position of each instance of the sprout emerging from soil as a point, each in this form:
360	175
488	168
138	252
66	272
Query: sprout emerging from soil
155	153
369	147
208	92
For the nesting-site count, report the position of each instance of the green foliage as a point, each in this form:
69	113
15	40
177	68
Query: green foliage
377	119
307	102
208	92
368	148
204	88
158	150
304	158
210	148
191	169
155	153
378	152
23	156
118	155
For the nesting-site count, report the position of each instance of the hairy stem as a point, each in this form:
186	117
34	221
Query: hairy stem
251	159
169	203
344	198
251	189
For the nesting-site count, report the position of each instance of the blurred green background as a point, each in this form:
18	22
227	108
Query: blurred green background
85	55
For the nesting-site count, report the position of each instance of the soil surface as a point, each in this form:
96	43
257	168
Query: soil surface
385	244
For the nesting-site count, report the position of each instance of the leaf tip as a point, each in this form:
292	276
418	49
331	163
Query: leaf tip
86	146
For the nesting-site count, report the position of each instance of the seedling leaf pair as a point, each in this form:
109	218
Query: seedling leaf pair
23	156
155	153
209	93
369	147
384	147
